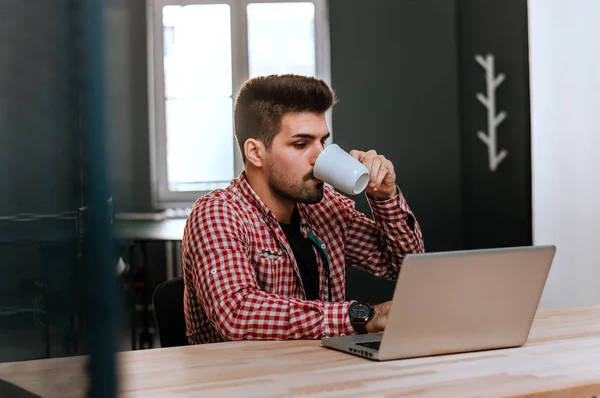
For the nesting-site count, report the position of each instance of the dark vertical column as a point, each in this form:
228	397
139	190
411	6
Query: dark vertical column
495	123
99	273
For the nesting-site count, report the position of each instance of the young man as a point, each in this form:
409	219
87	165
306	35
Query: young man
265	258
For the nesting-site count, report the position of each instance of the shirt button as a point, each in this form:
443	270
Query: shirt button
214	271
323	246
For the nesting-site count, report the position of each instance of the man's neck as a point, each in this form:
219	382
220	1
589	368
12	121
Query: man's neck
283	209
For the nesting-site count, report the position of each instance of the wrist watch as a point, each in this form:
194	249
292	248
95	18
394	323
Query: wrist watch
360	314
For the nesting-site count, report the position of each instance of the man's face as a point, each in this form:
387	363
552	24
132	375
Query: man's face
292	157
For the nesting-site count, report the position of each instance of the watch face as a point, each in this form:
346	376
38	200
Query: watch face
359	310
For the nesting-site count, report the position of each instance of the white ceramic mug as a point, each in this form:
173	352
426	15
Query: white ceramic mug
338	168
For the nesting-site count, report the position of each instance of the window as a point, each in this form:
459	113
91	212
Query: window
200	52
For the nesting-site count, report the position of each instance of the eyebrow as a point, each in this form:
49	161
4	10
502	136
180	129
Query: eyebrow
312	136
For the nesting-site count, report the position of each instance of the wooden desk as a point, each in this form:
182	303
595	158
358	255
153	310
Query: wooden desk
561	359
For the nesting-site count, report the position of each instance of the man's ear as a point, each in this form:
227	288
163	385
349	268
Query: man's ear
255	152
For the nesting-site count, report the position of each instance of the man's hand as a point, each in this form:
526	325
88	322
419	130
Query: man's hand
382	185
379	320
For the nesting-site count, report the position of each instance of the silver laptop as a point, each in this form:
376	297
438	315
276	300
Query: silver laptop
459	301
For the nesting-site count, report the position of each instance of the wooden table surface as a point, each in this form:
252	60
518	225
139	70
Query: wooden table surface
560	359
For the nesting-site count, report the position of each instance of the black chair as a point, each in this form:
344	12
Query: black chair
168	312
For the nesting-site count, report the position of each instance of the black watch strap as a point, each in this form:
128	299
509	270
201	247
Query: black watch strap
360	327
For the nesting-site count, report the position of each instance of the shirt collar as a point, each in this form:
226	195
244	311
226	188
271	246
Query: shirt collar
250	194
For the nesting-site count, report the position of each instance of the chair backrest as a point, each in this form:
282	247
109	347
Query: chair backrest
168	312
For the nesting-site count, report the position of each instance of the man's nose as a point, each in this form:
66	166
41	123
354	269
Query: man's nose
315	154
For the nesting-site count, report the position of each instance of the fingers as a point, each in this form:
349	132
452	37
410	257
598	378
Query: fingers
375	171
358	155
382	181
384	170
379	167
365	158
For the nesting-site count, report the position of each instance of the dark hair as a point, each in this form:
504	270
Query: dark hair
263	101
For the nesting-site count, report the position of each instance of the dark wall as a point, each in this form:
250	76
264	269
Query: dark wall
394	70
40	173
497	204
406	77
39	154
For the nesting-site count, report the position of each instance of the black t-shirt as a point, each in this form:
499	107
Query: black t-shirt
305	257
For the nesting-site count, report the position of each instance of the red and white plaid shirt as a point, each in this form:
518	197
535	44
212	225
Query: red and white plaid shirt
241	277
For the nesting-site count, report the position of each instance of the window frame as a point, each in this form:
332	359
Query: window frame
161	196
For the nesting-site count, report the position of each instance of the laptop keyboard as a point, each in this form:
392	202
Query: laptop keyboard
370	344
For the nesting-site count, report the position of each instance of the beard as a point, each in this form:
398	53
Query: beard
284	186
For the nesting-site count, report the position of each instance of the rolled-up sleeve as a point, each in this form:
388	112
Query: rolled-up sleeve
379	245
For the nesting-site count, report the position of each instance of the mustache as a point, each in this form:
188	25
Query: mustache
309	176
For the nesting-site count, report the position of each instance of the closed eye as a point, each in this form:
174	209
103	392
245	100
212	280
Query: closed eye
300	145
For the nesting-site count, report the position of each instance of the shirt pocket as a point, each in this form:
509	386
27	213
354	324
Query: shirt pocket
268	264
